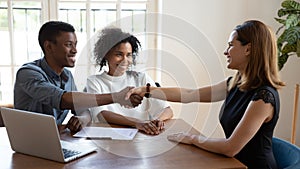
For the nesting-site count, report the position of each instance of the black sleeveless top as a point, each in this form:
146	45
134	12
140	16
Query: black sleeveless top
258	152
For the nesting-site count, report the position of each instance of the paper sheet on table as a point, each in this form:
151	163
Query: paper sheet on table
107	133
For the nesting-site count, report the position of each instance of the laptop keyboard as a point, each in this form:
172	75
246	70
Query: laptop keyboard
69	153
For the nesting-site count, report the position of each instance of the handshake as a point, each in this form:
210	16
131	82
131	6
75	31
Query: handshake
129	97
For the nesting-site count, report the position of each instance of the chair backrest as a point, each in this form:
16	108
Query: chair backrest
287	155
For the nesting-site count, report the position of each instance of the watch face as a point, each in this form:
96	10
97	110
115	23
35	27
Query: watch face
147	95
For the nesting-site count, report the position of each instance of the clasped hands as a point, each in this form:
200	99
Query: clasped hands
153	127
127	98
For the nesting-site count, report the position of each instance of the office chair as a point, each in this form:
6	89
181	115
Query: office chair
287	155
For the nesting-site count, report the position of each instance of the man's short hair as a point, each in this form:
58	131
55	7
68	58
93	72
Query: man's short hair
50	30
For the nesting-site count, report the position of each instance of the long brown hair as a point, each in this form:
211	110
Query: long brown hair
262	68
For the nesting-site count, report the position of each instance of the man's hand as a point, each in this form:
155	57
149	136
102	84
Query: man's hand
132	101
135	100
135	91
74	125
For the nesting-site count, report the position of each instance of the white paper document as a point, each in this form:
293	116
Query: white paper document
107	133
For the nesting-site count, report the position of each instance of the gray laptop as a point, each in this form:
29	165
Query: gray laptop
36	134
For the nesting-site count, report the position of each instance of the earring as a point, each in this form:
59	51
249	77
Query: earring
130	67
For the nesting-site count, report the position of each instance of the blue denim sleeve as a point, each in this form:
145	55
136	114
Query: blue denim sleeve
34	85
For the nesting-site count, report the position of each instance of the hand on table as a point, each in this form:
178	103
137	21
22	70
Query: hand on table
159	124
74	124
153	127
182	137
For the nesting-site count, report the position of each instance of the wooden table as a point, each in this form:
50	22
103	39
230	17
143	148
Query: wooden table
143	152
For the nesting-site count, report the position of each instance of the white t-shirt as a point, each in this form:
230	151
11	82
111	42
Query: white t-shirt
104	83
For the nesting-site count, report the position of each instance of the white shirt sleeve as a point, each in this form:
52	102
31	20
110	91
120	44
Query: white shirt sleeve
93	86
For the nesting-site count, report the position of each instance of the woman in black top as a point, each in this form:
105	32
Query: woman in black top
251	107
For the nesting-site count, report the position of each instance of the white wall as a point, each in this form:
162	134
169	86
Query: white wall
194	35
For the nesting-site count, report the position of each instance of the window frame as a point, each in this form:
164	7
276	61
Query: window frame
50	11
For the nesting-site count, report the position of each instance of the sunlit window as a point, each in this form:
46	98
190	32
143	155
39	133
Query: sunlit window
20	21
128	15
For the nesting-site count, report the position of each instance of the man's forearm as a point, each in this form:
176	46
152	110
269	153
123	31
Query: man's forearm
80	100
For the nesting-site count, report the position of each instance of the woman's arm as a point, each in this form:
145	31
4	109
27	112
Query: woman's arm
82	100
257	113
212	93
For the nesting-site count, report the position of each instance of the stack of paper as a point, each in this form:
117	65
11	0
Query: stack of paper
107	133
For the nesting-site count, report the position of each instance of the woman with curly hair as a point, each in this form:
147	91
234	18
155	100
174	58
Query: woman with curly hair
118	50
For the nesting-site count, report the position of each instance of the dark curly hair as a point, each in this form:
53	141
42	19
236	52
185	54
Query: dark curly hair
111	37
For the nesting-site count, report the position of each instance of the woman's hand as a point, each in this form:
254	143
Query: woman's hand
135	100
159	124
132	100
138	91
182	137
150	127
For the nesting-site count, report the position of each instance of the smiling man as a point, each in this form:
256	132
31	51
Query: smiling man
45	86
